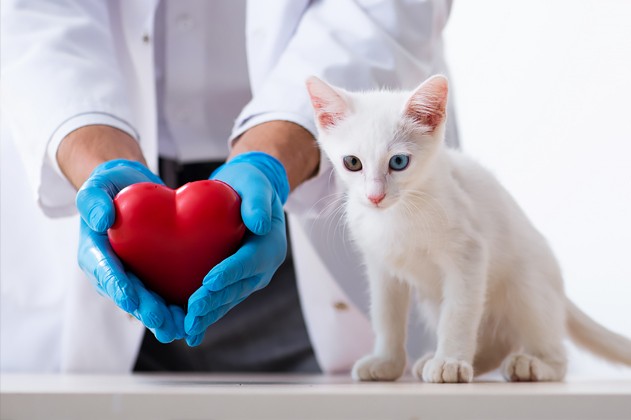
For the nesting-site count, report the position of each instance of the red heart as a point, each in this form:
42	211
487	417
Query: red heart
172	238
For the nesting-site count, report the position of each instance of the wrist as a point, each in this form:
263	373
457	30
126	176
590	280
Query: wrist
126	163
291	144
81	151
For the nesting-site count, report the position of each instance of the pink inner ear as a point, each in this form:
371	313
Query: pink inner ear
325	118
428	103
329	106
328	120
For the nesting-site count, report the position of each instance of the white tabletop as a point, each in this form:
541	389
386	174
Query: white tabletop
302	397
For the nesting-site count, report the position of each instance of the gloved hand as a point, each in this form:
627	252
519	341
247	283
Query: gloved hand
98	260
262	183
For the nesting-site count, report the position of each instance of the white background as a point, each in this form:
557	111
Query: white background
543	98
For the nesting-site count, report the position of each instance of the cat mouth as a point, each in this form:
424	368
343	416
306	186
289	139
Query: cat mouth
378	206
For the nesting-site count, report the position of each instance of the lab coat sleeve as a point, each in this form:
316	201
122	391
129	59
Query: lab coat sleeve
358	45
59	66
92	118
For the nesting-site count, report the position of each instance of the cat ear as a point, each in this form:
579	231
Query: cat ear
328	103
427	105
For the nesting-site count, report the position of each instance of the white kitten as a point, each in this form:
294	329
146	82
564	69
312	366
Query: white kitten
430	220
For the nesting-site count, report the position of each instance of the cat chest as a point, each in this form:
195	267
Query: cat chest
404	249
403	240
419	269
408	252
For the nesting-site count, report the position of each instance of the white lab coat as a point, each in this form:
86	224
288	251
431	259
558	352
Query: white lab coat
69	58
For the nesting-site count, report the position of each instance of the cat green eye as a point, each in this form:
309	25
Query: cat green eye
399	162
352	163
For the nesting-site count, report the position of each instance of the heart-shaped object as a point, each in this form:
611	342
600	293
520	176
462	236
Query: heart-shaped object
172	238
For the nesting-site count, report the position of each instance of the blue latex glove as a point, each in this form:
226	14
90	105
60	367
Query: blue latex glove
262	183
98	260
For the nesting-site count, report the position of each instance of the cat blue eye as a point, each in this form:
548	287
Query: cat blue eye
399	162
352	163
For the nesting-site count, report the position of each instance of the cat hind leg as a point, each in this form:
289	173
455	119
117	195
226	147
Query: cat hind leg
543	355
522	367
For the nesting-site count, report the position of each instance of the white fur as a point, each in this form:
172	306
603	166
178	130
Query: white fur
449	232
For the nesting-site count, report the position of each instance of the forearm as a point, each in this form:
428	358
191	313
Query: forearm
87	147
291	144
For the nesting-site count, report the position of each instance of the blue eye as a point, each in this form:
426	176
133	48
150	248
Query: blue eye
399	162
352	163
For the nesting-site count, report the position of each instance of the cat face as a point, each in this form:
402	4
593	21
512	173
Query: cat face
380	143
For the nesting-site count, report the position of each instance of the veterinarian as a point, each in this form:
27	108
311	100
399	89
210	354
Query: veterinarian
100	95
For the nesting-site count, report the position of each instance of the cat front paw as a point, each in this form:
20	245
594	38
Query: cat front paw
378	368
417	369
443	370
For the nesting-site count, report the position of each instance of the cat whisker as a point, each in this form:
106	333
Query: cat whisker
416	214
432	203
328	200
341	219
429	209
332	201
330	218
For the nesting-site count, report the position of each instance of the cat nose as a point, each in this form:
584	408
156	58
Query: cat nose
376	198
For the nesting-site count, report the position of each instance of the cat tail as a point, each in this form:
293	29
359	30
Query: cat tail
592	336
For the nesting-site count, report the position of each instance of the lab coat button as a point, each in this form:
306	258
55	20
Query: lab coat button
340	306
146	38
